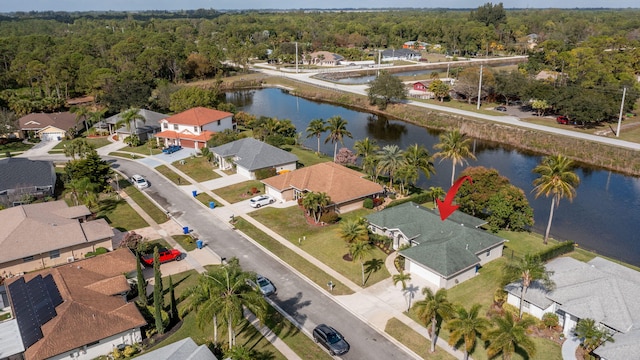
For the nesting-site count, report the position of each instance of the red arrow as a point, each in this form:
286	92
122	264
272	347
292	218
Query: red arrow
445	207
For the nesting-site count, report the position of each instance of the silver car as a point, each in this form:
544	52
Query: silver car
263	284
139	181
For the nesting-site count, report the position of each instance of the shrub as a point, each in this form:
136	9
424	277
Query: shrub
550	320
367	203
129	351
265	173
378	201
254	190
556	250
329	218
101	250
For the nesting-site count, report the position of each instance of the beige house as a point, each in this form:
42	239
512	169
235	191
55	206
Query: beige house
347	188
42	235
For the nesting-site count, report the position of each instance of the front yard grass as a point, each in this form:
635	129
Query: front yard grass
290	257
151	209
198	168
142	149
206	199
414	341
309	157
321	242
120	215
125	155
187	242
238	192
170	174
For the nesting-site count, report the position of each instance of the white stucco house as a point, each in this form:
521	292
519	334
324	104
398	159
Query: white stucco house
193	128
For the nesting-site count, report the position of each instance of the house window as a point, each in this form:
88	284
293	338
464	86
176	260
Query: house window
175	127
165	125
196	129
53	254
219	122
27	259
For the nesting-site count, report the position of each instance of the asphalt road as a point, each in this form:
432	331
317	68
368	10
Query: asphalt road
303	301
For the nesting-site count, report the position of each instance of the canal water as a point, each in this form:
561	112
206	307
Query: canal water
604	216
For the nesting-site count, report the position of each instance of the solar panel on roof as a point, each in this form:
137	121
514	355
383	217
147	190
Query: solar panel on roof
52	289
40	300
27	322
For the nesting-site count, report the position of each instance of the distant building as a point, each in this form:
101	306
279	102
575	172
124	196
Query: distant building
415	45
193	128
400	54
323	58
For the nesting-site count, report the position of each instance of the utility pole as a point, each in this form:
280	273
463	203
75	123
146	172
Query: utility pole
624	92
379	57
296	57
479	88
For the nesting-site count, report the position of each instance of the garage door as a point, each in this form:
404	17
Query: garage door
187	144
50	136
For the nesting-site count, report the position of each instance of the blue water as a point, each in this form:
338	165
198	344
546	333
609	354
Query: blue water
603	217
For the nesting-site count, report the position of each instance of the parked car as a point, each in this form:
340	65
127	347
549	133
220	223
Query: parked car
263	284
166	255
139	181
501	108
171	149
562	120
331	339
261	200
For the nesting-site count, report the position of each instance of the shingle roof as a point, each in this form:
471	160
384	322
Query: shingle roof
39	228
36	121
254	155
151	123
340	183
198	116
85	315
21	172
446	247
185	349
624	347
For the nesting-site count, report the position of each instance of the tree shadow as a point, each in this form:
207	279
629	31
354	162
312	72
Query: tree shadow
292	306
371	266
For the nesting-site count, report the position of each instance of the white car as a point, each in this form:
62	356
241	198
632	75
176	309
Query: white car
139	181
261	200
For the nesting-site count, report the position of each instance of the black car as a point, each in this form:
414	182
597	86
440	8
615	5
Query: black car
331	339
501	108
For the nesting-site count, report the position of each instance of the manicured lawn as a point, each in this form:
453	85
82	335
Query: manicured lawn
125	155
169	174
142	149
99	142
150	208
186	241
322	242
198	168
120	215
479	289
14	146
414	341
238	192
206	199
290	257
309	157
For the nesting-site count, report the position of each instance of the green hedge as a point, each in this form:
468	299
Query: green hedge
556	250
417	198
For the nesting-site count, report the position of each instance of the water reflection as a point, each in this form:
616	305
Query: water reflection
379	127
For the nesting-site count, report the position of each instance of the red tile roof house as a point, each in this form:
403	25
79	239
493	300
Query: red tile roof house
48	126
76	311
192	128
41	235
347	188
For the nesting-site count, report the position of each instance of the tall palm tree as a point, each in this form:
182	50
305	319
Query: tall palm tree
129	117
418	156
203	299
436	192
316	128
432	310
402	278
454	145
95	116
508	335
390	159
82	112
315	204
337	127
353	230
359	251
557	180
528	270
466	326
367	149
408	175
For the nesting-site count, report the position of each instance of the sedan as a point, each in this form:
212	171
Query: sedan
139	182
501	108
263	284
331	339
261	200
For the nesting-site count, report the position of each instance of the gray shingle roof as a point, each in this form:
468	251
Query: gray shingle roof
151	123
21	172
446	247
254	155
185	349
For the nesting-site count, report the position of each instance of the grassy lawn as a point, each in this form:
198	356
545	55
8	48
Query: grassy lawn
321	242
206	199
186	241
125	155
120	215
414	341
98	142
309	157
169	174
290	257
238	192
14	146
142	149
198	168
150	208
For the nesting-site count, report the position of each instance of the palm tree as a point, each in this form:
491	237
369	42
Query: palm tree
315	204
390	159
82	112
432	310
528	270
556	180
592	337
95	116
402	278
436	192
466	326
367	149
337	127
359	250
509	335
129	117
204	300
418	157
408	175
353	230
316	128
455	146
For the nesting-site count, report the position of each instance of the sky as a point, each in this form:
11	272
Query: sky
132	5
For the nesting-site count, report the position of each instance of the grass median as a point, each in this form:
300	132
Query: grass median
150	208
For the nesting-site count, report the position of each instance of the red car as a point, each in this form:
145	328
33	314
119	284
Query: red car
562	120
166	255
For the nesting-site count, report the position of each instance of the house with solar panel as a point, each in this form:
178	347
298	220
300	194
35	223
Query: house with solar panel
73	311
41	235
443	252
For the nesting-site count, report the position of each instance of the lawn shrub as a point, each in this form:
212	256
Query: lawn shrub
367	203
556	250
329	218
416	198
265	173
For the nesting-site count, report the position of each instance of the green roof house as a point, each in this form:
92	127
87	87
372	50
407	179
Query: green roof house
445	253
